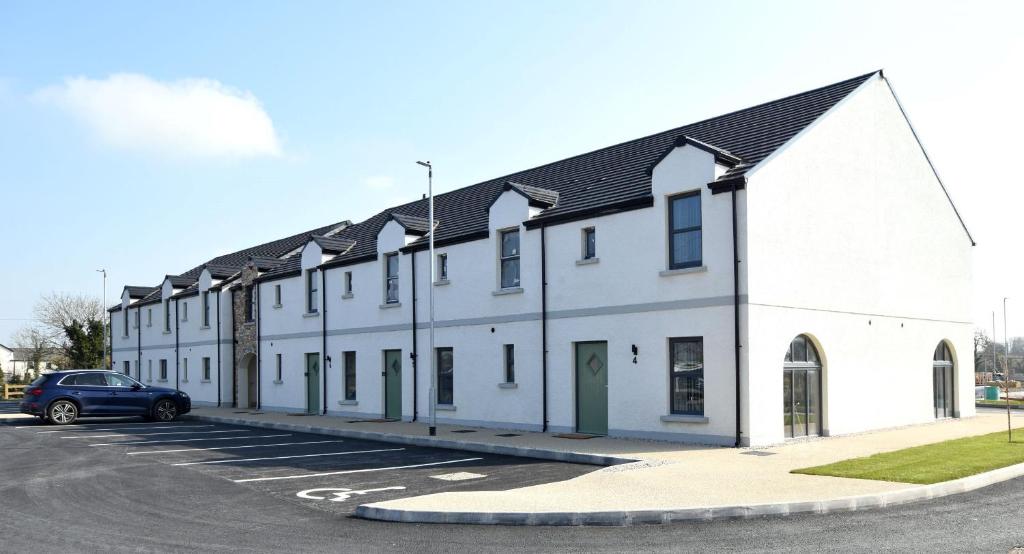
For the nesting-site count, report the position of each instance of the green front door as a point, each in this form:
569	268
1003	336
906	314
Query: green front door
393	384
592	387
313	383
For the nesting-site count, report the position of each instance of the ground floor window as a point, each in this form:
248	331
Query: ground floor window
801	389
206	369
163	370
349	366
445	376
686	375
184	368
127	367
510	363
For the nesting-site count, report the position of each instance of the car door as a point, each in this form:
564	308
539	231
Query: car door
128	397
91	392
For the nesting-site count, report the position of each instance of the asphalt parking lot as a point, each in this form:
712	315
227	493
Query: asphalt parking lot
323	472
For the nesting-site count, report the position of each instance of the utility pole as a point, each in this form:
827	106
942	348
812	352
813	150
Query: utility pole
1006	371
995	365
430	287
104	322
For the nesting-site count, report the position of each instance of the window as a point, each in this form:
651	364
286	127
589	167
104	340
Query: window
149	370
684	230
349	363
442	267
391	279
348	282
206	369
250	303
277	366
509	259
137	315
589	243
277	295
163	370
184	311
445	376
167	316
801	389
138	372
149	317
127	367
510	363
311	291
686	375
115	380
184	367
206	308
125	323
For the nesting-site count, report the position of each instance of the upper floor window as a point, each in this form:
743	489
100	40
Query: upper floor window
206	308
442	267
509	259
277	295
312	299
391	278
167	316
125	323
149	317
184	311
137	316
684	230
589	243
348	282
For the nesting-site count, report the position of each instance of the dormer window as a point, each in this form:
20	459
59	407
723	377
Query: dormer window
184	311
250	303
125	319
509	254
312	298
684	230
206	308
589	244
391	278
167	316
442	267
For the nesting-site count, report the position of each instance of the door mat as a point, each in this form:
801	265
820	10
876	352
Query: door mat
464	431
508	435
575	436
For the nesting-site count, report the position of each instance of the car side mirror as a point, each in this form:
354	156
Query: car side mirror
136	386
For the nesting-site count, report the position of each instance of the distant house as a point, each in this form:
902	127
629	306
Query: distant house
6	360
21	361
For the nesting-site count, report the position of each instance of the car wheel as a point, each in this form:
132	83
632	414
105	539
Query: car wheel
165	410
62	412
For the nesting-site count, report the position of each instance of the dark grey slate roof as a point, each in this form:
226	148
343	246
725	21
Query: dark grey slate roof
616	176
538	197
181	281
139	292
412	224
333	245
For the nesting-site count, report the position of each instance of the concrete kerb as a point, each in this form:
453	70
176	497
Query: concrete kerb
429	442
709	513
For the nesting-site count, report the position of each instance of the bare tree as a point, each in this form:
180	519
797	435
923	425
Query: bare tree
56	311
37	343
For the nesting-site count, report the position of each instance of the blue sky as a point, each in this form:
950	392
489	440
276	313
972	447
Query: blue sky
334	101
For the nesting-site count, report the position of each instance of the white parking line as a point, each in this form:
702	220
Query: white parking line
89	430
225	447
160	433
132	443
352	471
230	460
79	425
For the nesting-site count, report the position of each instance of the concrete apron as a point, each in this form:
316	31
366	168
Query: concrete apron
703	513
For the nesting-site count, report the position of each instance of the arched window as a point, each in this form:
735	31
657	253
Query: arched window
942	381
801	389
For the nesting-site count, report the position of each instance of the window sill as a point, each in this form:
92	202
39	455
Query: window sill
683	271
441	283
588	261
348	402
184	380
250	323
124	336
445	407
278	382
680	418
184	320
204	380
391	305
311	314
503	292
347	295
161	380
204	327
276	306
167	332
508	385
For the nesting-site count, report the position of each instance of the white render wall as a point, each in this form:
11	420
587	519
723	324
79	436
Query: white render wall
854	242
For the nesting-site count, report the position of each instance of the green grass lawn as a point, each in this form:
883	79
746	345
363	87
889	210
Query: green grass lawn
932	463
999	403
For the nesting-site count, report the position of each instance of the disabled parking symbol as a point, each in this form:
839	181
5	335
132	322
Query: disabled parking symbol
339	494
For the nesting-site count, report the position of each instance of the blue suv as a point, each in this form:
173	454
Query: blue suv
61	397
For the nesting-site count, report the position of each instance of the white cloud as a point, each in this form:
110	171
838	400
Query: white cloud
195	118
379	182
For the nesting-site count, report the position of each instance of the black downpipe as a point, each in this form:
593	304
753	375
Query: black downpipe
736	309
415	353
177	356
323	333
218	348
544	328
259	345
138	367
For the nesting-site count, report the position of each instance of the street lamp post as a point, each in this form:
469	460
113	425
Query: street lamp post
104	323
430	286
1006	370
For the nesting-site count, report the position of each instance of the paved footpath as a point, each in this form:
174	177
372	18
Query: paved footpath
654	481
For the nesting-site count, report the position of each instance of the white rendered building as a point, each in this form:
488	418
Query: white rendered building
795	268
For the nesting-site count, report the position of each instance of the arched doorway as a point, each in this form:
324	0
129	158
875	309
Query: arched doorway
246	386
942	381
801	389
